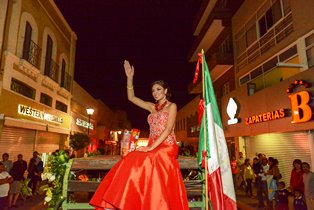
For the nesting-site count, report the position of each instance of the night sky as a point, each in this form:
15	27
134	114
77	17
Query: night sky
154	35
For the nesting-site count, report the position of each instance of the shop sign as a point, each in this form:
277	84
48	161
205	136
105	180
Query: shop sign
35	113
267	116
84	124
232	109
300	109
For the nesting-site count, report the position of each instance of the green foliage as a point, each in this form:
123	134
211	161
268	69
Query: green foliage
54	173
25	189
79	141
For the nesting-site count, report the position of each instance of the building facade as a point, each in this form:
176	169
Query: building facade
271	109
37	51
98	125
213	34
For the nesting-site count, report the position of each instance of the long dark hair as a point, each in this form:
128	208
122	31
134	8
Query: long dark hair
164	85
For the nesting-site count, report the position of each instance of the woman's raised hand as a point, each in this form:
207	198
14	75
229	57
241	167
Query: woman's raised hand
129	70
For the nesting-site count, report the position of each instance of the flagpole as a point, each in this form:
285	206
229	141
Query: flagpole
205	137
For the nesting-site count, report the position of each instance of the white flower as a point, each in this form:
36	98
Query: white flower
51	178
45	176
48	199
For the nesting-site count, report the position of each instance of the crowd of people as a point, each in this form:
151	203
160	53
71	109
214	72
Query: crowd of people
12	175
271	191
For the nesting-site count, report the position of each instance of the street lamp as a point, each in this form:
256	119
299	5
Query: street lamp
90	112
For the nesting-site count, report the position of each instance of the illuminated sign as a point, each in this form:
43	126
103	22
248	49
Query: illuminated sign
84	124
35	113
300	108
232	109
267	116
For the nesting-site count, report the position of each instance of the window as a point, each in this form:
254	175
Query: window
309	44
271	16
256	72
45	99
27	41
244	79
63	73
51	68
23	89
48	56
269	65
288	53
251	35
61	106
240	42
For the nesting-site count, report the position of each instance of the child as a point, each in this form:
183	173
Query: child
282	197
299	201
249	175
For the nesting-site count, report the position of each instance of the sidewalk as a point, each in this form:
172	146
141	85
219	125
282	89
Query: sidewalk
246	203
36	203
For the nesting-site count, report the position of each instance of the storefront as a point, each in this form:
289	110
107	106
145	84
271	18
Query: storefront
27	126
277	121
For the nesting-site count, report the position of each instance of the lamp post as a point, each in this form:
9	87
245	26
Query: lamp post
90	112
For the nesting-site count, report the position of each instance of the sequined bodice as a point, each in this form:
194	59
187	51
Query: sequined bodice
157	123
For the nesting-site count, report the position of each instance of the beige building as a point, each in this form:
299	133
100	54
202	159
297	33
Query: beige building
37	57
98	125
274	75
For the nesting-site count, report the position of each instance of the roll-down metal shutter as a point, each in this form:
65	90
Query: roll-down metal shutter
47	142
16	141
283	146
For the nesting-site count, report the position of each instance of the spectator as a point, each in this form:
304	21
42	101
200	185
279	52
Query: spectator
234	170
6	162
241	179
274	175
262	190
282	197
17	172
35	168
256	169
296	180
308	179
299	201
296	177
5	180
249	175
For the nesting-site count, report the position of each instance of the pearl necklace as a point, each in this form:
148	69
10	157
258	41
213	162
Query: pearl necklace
160	107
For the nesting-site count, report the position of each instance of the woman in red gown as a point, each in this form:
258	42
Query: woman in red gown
148	178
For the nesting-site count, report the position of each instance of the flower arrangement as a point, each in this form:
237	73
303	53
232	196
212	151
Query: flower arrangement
54	173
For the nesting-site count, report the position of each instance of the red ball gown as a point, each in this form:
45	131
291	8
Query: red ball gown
145	180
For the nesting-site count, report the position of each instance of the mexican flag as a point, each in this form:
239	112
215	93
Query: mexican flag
213	147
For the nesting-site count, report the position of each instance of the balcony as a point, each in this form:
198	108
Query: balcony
66	81
52	69
32	53
275	35
217	20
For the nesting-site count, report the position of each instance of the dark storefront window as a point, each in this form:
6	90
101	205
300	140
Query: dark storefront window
61	106
23	89
45	99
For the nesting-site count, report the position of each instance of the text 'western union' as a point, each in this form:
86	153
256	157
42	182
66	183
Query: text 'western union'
35	113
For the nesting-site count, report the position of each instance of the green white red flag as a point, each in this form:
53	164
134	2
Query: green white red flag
213	147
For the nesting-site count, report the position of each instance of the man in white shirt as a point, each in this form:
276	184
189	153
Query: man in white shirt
5	180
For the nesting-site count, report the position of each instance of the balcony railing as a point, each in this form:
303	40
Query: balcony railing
66	81
52	69
276	34
32	54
